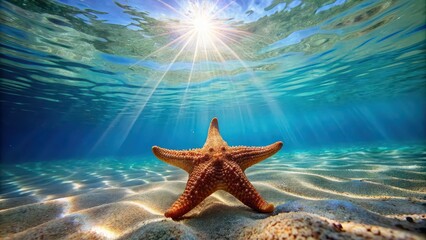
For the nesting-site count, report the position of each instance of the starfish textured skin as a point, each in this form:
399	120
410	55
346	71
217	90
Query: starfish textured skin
216	166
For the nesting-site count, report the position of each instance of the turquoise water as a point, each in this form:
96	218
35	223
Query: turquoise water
125	198
88	87
84	79
345	173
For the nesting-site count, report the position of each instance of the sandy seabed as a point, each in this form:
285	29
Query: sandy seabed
351	193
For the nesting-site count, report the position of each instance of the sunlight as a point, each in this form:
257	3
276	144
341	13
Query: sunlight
145	207
105	232
200	27
201	24
67	206
199	33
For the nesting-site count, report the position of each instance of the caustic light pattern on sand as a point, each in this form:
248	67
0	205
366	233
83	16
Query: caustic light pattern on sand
214	167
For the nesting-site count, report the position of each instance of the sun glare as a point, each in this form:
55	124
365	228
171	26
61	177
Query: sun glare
199	31
203	26
200	25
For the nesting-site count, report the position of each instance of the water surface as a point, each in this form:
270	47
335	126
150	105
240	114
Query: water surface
84	78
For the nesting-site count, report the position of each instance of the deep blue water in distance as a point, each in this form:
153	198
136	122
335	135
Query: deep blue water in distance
387	122
81	80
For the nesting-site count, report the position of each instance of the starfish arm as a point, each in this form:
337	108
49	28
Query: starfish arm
213	135
201	184
240	187
183	159
248	156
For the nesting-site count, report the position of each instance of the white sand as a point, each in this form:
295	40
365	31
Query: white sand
93	200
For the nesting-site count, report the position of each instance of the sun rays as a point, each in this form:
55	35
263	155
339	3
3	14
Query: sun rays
201	41
200	36
201	30
201	20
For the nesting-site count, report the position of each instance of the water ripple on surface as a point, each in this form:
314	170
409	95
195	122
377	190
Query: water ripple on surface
299	57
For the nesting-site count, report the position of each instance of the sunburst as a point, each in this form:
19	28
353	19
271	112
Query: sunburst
200	20
201	30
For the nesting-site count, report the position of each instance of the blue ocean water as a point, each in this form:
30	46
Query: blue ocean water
88	87
83	79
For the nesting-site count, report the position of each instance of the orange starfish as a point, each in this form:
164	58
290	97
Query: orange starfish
217	166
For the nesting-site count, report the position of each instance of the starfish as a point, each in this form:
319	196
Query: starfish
216	166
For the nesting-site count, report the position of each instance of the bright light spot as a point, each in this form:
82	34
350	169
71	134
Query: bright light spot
204	29
199	25
76	186
203	25
107	183
105	232
66	209
200	33
146	208
48	197
130	191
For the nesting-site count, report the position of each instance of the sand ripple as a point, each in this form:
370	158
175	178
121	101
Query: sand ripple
368	193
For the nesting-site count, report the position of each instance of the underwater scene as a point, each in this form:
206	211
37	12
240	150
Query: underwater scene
213	119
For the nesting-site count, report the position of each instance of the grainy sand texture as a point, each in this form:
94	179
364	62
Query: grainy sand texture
351	193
